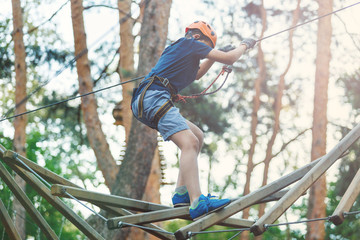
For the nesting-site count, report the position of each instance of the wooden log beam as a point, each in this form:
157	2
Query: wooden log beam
244	202
38	186
183	213
26	203
315	173
54	178
113	203
347	200
43	172
2	150
167	214
150	228
106	199
8	224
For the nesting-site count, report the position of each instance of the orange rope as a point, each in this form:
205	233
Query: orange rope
178	97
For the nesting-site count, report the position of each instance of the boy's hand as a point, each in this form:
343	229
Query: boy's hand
227	48
249	42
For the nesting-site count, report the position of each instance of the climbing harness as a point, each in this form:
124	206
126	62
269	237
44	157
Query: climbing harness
165	107
174	97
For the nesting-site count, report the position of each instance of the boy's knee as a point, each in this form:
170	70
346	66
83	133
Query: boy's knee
201	137
193	143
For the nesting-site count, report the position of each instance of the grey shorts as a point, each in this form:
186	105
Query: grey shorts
171	123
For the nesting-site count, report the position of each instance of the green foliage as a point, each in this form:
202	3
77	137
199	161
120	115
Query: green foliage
349	165
205	112
351	85
350	228
51	215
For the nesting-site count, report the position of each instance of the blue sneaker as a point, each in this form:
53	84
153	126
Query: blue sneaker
216	203
201	209
207	205
180	200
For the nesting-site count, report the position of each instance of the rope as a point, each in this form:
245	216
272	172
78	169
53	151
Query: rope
93	211
190	234
70	63
69	99
301	24
121	224
62	226
226	68
351	213
237	234
296	222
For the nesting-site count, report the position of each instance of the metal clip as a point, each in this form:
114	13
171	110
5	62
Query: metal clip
165	81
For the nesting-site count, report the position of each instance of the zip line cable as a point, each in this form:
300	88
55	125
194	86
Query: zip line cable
70	63
134	79
72	98
58	72
301	24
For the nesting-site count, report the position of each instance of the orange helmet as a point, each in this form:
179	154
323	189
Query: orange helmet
205	28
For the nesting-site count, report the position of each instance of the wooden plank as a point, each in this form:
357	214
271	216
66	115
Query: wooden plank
106	199
132	204
117	211
8	223
2	150
347	200
244	202
183	213
26	203
43	172
315	173
122	212
80	223
167	214
273	197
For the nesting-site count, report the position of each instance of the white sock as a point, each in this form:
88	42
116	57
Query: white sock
181	189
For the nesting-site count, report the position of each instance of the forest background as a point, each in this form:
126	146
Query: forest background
241	152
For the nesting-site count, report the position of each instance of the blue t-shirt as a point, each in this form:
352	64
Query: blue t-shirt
179	63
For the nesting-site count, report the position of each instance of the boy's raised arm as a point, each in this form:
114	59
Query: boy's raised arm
231	56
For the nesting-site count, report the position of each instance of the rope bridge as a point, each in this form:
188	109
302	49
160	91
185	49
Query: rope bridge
135	213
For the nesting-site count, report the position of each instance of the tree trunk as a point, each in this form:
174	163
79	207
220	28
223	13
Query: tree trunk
135	169
277	110
126	61
152	194
20	95
254	118
126	72
96	136
317	207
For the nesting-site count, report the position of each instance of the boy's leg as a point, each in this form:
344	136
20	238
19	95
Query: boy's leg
200	136
189	141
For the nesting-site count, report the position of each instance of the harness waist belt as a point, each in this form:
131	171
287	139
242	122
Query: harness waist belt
165	107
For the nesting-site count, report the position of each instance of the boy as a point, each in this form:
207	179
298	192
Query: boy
178	66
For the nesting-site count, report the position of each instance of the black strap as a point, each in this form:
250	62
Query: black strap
161	111
140	106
